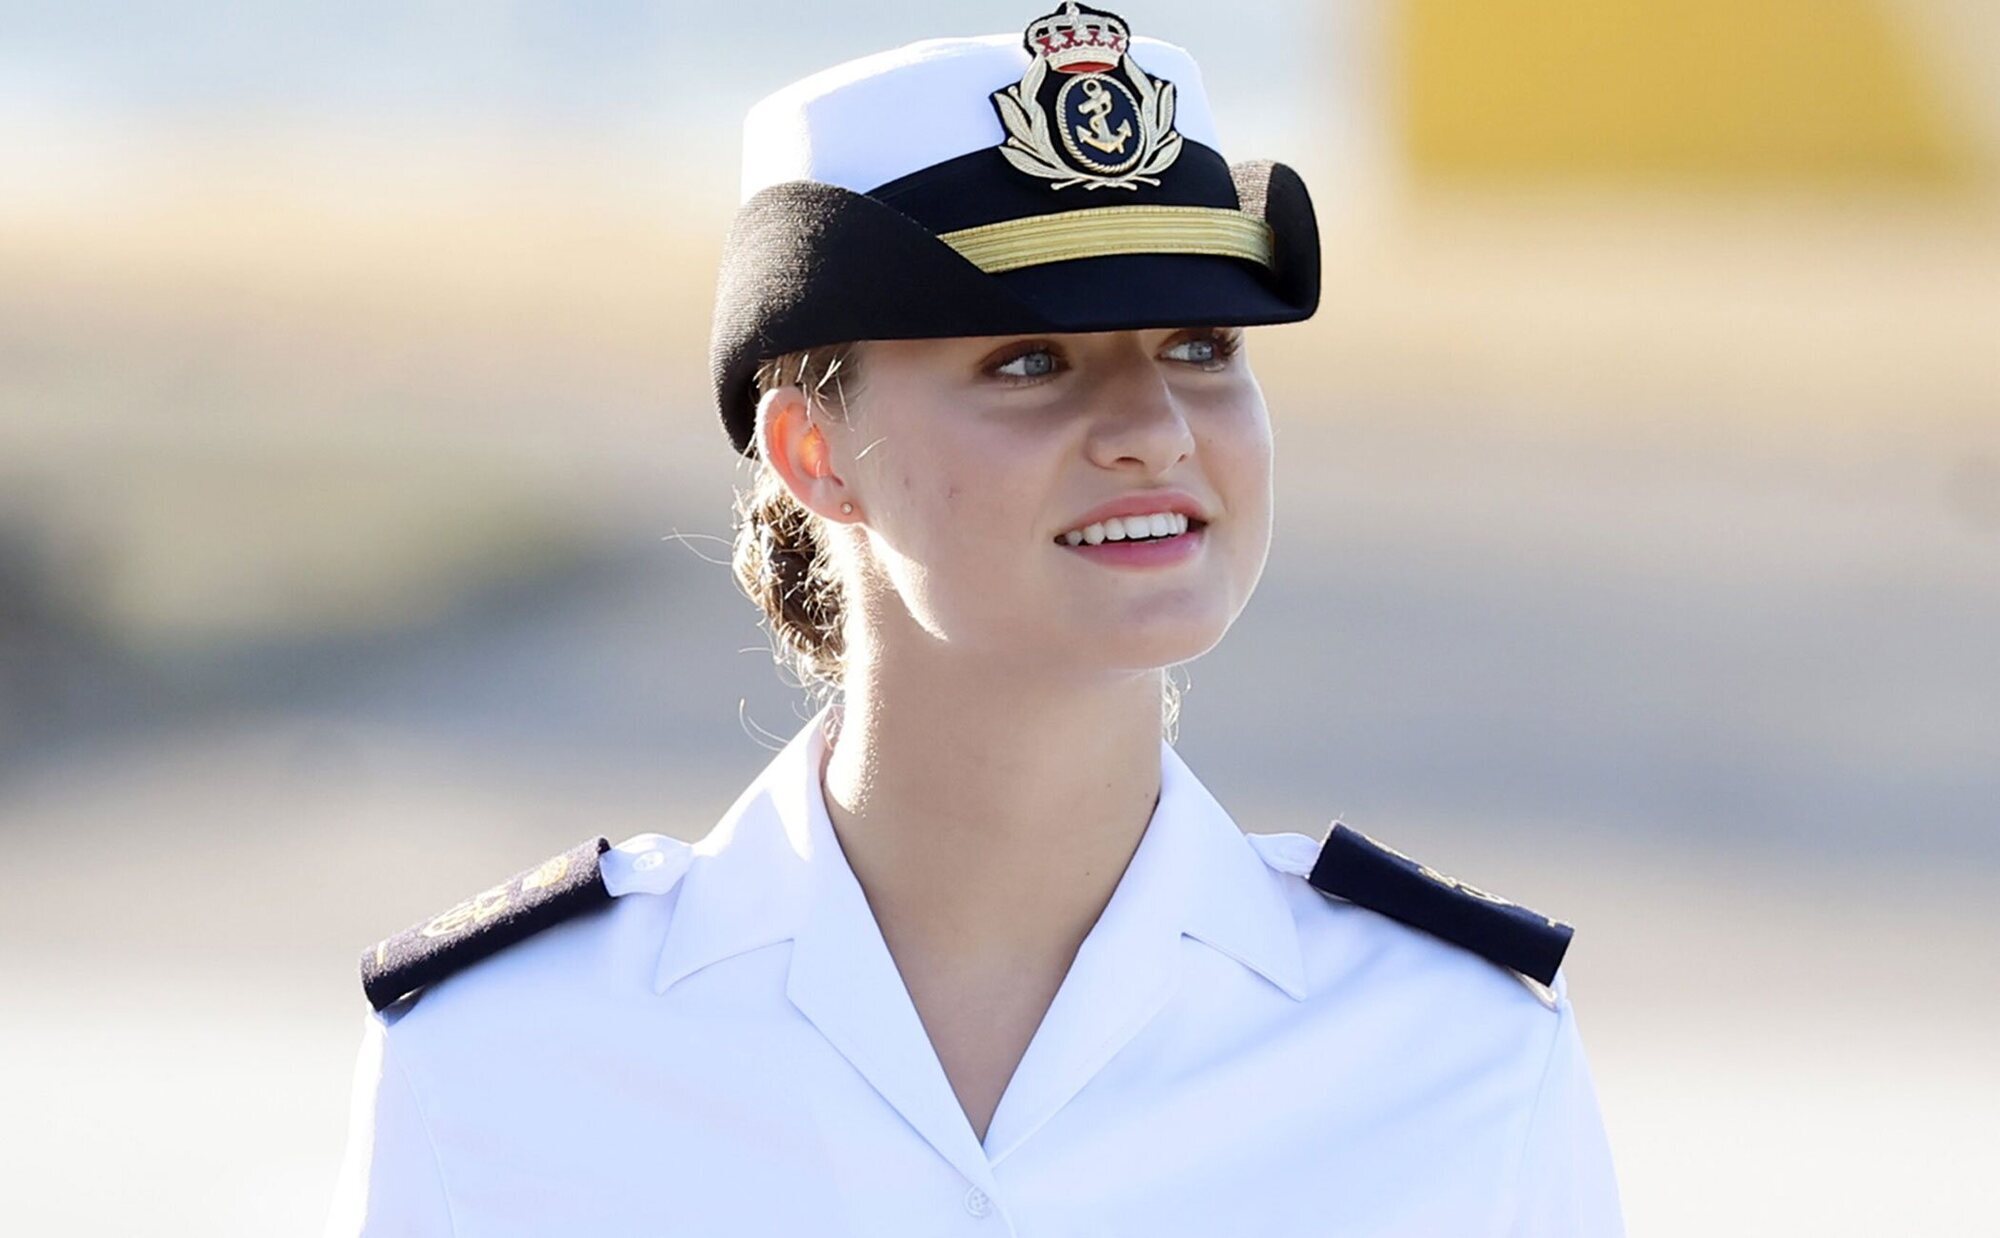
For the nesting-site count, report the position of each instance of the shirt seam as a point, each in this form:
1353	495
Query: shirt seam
1541	1098
430	1141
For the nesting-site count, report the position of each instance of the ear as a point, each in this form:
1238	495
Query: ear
793	442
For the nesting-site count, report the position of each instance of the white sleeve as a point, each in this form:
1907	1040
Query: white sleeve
1567	1188
391	1185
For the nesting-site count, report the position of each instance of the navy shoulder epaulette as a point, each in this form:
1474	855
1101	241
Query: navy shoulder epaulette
1355	867
518	907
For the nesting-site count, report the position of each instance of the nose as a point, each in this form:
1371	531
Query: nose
1139	421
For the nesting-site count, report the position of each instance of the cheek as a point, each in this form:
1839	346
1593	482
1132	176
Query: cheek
1237	449
1238	458
962	505
939	497
981	475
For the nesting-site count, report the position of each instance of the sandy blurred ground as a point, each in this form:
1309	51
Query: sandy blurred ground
361	520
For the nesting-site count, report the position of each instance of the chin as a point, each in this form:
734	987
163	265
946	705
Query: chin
1186	650
1155	648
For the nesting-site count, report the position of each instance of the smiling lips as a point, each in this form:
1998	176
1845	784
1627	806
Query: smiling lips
1130	528
1183	541
1137	516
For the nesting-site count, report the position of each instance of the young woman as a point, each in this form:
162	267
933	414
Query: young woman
977	953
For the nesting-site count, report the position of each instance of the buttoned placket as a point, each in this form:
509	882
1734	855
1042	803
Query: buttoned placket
978	1202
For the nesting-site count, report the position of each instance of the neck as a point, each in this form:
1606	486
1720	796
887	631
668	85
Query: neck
988	812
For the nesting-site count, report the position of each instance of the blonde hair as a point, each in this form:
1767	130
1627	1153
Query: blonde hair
781	560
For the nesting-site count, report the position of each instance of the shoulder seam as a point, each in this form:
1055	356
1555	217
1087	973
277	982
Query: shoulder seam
1541	1095
423	1121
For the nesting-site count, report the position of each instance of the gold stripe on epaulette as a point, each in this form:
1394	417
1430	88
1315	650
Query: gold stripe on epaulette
1101	231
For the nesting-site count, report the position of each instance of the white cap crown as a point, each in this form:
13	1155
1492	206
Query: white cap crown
867	122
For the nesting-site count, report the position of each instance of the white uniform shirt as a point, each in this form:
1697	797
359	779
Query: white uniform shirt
727	1048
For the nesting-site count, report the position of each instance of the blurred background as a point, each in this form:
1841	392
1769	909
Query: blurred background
363	518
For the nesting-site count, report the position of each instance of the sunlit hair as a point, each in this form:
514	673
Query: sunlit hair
782	560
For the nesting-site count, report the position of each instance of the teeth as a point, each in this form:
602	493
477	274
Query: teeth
1122	528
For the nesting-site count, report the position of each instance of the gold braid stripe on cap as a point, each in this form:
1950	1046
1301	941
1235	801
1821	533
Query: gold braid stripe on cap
1100	231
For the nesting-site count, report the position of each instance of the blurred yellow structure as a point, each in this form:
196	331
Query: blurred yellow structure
1728	91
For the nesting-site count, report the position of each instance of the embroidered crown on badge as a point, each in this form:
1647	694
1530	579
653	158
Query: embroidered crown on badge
1084	113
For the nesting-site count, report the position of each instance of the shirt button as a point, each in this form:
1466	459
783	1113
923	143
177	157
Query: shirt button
977	1202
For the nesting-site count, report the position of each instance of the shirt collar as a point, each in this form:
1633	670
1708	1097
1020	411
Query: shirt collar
759	874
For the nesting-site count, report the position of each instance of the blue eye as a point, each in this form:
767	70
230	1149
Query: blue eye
1199	351
1210	351
1034	363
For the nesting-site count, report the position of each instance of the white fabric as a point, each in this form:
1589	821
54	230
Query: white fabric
864	123
727	1048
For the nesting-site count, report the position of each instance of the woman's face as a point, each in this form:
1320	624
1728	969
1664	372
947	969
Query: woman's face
968	459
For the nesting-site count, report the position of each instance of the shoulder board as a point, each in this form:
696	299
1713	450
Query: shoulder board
1355	867
490	920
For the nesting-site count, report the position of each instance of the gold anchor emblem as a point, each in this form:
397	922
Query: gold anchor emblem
1067	137
478	909
1097	105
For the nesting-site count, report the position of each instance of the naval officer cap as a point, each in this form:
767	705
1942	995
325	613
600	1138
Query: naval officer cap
1068	179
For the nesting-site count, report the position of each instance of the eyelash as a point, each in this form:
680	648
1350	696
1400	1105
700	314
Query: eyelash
1227	343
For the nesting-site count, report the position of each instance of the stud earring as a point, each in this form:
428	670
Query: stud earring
847	508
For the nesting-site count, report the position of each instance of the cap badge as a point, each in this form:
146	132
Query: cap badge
1101	121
